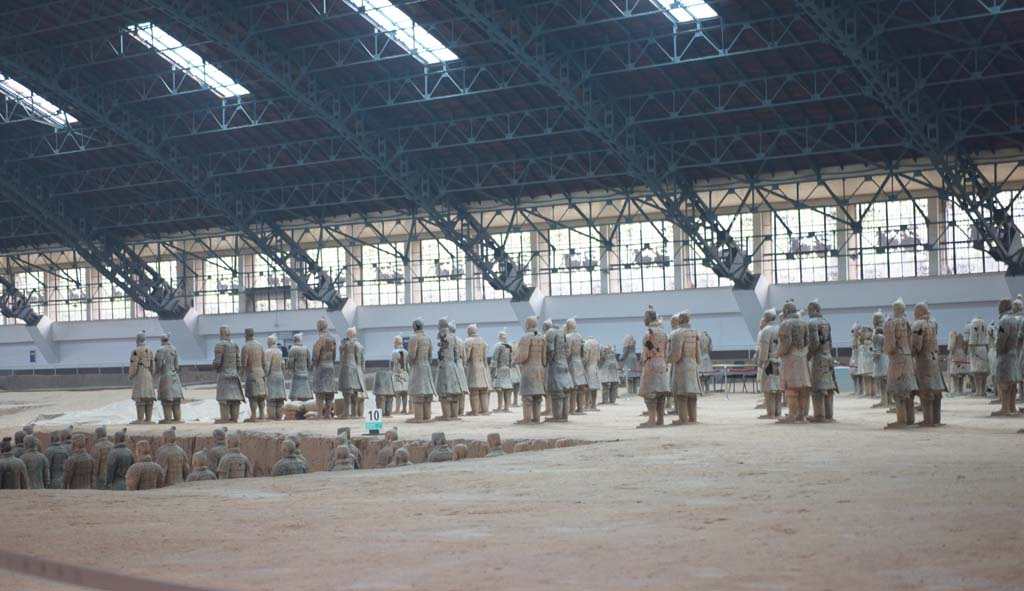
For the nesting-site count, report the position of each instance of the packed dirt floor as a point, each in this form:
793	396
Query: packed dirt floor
732	503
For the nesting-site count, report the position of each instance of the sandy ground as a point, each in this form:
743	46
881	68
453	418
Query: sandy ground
732	503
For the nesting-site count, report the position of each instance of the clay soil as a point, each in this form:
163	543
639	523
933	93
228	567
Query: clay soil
731	503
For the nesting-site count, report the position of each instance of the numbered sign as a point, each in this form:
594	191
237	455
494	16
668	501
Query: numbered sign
374	424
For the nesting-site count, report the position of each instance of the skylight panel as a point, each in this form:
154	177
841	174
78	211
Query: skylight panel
397	25
684	11
186	60
36	106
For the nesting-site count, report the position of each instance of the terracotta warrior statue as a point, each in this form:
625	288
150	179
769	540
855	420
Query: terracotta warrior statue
226	360
823	375
592	364
168	383
440	451
19	443
609	375
707	370
447	384
1005	370
880	361
684	360
977	347
299	364
384	390
344	440
216	451
172	459
924	346
501	371
254	376
118	462
421	383
516	376
478	377
558	381
866	361
324	382
768	364
400	376
273	360
630	365
531	357
145	474
341	460
200	468
855	375
57	453
288	464
494	448
958	364
578	396
794	374
140	372
654	382
100	453
350	380
901	383
78	469
1018	311
13	473
36	464
234	464
460	367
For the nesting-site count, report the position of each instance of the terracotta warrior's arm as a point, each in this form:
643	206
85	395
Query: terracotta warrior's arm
218	357
889	336
133	367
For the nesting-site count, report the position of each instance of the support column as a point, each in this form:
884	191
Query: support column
842	246
936	236
413	271
42	338
679	257
763	230
607	258
244	267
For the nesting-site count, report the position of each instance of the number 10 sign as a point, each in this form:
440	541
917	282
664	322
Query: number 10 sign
374	425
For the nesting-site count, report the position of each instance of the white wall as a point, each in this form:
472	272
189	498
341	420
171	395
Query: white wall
954	301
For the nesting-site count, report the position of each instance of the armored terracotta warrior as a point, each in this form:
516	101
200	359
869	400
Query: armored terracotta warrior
558	380
344	440
880	361
401	457
494	448
273	361
924	346
145	474
254	376
654	378
609	375
1018	311
531	358
516	376
119	461
57	454
350	379
447	384
299	363
226	361
400	376
867	361
341	460
544	328
901	382
630	365
288	464
440	451
384	390
172	459
101	452
684	357
501	371
200	468
19	443
706	369
234	464
13	473
421	383
794	374
140	372
592	364
855	375
991	385
478	378
576	400
36	464
977	348
168	383
79	467
823	376
324	382
460	367
768	364
959	361
216	451
1004	372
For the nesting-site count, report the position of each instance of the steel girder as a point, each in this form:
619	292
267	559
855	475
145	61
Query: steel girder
14	304
928	131
416	181
311	279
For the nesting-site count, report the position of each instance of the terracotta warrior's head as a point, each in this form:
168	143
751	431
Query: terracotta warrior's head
650	316
250	334
878	319
225	332
351	332
101	432
768	317
297	338
272	341
200	460
1018	305
170	435
143	449
417	325
673	321
219	435
397	341
438	439
814	309
471	330
31	443
530	324
232	440
321	325
120	436
165	339
920	310
288	448
548	325
683	318
503	335
78	441
1005	305
789	309
899	309
401	456
570	325
140	338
